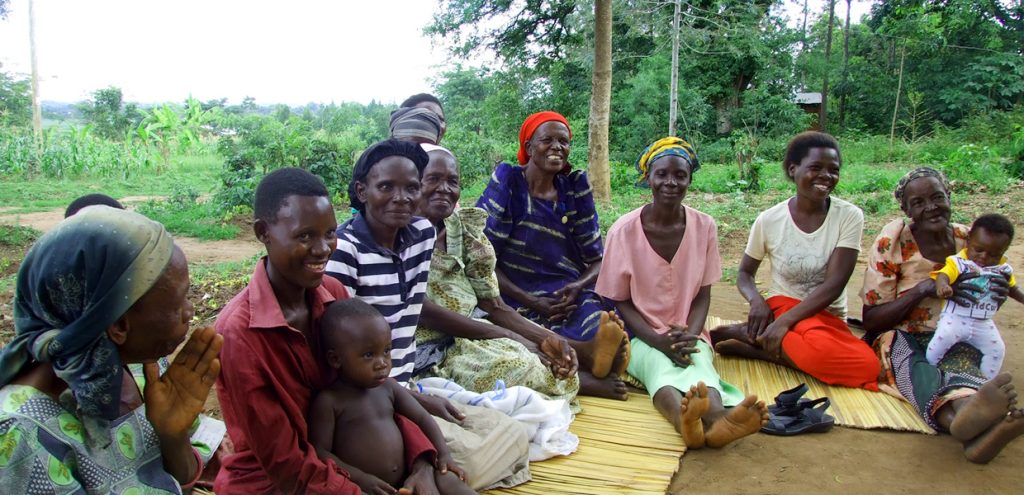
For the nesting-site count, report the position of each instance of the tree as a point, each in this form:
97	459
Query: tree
15	101
108	113
600	102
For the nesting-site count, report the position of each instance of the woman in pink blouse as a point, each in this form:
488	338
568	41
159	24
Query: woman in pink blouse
660	262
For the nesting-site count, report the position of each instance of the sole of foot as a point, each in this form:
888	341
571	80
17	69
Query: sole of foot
989	444
746	418
694	406
994	400
607	344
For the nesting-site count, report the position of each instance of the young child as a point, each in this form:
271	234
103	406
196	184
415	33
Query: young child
355	420
988	240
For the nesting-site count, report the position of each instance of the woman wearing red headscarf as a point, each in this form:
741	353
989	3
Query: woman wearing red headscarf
544	229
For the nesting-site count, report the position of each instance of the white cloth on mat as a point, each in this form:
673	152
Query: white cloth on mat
547	421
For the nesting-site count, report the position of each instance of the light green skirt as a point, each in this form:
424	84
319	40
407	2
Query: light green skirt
655	370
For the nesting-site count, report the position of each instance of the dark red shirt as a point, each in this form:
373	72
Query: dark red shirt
268	377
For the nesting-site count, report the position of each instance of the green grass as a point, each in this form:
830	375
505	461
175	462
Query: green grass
44	193
17	235
201	220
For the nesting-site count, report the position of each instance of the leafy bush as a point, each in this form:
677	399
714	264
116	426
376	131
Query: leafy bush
183	213
972	165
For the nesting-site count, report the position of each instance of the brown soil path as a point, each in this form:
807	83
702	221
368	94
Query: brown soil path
197	251
848	460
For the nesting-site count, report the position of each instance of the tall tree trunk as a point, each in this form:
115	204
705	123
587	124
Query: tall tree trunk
673	109
846	68
823	112
600	102
37	114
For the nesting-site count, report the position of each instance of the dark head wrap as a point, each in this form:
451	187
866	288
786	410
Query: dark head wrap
76	281
377	152
918	173
530	126
415	123
667	146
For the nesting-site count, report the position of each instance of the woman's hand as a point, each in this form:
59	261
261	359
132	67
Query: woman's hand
759	318
445	463
440	407
570	292
421	480
677	345
174	400
770	339
966	294
552	308
556	353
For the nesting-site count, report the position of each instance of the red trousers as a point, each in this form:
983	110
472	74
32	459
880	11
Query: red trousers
416	442
823	347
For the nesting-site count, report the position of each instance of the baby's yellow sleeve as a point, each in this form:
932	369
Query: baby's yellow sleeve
949	269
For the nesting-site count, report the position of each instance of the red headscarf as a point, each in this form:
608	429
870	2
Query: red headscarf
531	124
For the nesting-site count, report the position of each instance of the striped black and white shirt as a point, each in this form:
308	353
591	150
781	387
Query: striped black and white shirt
393	281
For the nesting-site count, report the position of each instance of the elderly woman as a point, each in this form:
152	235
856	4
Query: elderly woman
544	229
471	352
105	289
901	309
661	260
383	256
812	240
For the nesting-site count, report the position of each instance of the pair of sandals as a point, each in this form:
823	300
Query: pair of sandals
792	414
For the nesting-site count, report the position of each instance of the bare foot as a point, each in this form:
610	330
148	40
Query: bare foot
994	399
621	361
987	446
606	344
609	387
734	347
735	331
746	418
694	406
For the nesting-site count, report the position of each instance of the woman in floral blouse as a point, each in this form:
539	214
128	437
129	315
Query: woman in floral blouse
900	315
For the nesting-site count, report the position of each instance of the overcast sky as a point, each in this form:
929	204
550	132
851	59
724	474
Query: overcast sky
278	52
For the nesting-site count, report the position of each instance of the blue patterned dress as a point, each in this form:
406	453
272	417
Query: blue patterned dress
544	245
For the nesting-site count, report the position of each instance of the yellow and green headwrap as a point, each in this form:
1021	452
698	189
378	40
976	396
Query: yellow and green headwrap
668	146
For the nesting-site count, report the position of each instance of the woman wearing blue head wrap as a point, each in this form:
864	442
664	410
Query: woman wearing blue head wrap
106	288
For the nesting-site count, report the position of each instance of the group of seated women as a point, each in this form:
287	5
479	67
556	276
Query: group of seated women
520	289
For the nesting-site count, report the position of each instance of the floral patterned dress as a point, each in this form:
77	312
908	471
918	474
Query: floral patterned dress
895	266
44	448
460	274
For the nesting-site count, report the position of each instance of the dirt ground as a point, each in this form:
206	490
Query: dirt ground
197	251
847	460
844	460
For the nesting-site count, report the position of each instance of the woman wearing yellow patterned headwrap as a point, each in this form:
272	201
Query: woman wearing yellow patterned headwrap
668	146
660	262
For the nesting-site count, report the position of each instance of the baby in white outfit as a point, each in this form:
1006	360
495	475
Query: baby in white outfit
987	242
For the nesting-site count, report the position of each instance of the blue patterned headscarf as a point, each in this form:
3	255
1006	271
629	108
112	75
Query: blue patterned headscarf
75	282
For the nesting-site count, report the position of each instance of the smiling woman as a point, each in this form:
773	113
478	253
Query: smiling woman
812	240
104	290
544	229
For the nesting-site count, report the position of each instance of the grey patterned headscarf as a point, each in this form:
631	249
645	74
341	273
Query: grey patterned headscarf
913	175
75	282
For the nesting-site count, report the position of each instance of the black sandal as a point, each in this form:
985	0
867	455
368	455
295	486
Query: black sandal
787	402
809	417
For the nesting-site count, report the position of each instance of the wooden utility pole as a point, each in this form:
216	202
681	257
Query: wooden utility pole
899	89
600	103
846	68
673	109
823	112
37	114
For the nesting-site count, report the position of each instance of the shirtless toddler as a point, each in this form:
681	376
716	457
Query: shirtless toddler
355	420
